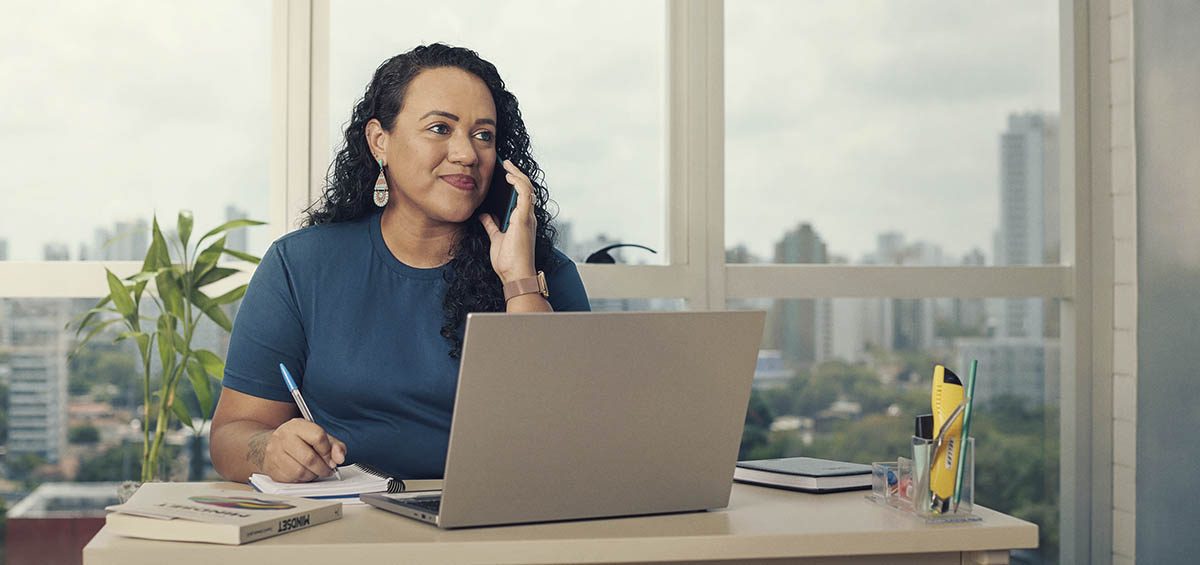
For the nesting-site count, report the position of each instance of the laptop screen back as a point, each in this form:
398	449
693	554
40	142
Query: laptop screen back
579	415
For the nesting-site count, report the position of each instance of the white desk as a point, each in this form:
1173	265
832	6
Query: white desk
760	524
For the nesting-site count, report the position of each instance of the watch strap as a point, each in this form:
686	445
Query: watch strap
528	285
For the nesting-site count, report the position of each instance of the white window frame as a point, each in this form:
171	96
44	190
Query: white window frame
695	222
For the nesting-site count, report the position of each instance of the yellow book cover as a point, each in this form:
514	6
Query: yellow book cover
205	512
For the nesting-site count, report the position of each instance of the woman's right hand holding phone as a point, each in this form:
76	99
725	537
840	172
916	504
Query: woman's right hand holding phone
299	451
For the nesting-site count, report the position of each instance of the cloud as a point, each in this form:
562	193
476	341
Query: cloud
857	117
592	98
113	111
866	116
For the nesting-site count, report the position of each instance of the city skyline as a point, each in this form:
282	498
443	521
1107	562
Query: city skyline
866	131
1015	339
126	240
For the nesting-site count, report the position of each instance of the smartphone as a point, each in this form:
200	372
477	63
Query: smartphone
501	198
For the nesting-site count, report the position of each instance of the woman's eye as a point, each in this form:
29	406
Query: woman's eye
485	135
439	128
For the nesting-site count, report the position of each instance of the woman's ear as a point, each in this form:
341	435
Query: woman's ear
376	139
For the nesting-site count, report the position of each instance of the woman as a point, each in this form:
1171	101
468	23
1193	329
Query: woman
366	305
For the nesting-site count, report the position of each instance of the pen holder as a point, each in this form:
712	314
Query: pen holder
924	502
904	485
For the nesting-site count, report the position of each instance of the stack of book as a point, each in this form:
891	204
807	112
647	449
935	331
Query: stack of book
804	474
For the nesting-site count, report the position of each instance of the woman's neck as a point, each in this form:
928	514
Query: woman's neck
417	241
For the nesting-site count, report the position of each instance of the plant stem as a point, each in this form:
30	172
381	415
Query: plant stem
160	428
147	474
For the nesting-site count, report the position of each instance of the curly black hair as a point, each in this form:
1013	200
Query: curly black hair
473	284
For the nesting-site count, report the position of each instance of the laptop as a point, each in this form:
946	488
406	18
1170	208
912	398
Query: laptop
565	416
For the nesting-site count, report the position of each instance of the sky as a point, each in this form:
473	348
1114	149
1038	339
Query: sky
871	116
858	117
114	110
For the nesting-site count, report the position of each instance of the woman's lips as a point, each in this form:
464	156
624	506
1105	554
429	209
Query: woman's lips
461	182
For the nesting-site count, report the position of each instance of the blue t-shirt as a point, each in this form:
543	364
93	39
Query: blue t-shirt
361	334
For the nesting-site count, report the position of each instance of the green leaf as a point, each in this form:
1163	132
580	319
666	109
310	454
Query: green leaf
211	309
232	224
166	344
202	387
215	275
180	409
210	362
144	341
208	259
90	317
98	308
144	276
231	296
130	335
95	330
120	296
177	341
137	292
184	226
168	285
158	256
243	256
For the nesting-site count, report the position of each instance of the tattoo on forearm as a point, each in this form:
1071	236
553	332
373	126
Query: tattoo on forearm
258	449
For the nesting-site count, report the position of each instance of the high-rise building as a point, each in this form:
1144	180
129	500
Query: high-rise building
969	315
801	329
37	358
3	249
235	239
56	252
125	241
1029	211
900	323
740	254
1020	367
1022	358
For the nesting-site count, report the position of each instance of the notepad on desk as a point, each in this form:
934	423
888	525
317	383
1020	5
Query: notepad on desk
356	480
805	474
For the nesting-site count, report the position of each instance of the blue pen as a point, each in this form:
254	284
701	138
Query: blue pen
291	384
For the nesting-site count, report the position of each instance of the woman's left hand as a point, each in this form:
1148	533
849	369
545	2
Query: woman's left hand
512	250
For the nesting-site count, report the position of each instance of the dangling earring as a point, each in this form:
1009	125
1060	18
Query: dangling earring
381	187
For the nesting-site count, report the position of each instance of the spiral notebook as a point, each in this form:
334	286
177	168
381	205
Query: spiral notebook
356	479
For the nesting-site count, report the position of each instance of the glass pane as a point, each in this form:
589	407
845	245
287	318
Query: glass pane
931	125
592	100
115	111
843	379
638	304
51	393
70	426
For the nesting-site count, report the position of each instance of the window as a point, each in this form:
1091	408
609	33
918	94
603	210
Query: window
592	100
873	122
112	113
843	379
890	193
879	149
115	112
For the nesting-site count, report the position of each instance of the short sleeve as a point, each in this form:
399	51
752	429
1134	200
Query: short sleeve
267	331
567	293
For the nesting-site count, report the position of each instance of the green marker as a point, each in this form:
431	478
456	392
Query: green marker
966	433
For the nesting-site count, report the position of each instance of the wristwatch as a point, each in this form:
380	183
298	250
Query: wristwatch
528	285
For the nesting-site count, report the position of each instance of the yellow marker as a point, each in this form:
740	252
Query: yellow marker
946	402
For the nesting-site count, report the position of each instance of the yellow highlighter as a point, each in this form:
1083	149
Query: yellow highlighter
947	405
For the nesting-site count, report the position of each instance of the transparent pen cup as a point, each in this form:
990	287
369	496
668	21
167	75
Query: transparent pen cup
927	504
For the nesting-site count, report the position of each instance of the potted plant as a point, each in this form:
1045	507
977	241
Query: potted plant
180	271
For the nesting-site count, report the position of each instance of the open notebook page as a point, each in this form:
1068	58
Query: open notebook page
354	481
